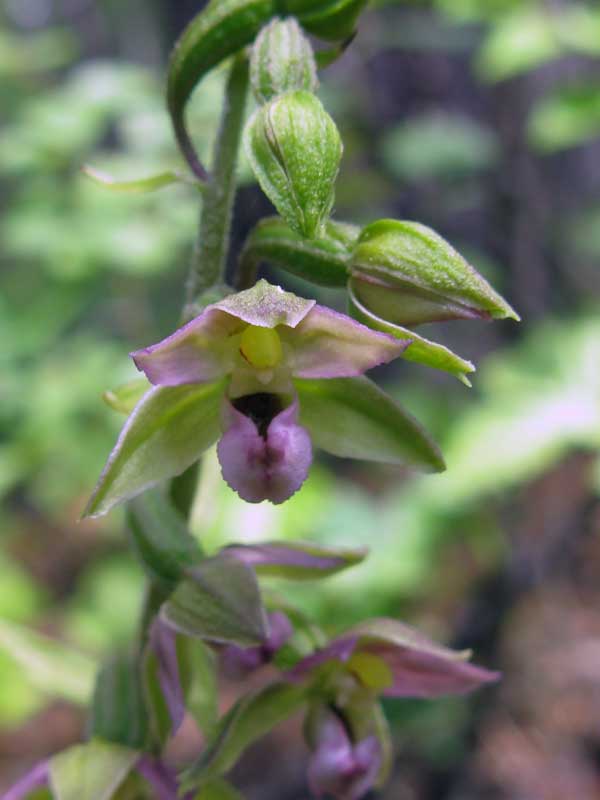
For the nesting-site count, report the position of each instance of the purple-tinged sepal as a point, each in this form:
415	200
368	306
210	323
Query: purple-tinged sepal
407	274
263	455
296	560
393	660
238	662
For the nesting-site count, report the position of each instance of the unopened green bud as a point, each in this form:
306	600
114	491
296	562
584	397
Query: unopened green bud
406	274
282	61
295	150
323	261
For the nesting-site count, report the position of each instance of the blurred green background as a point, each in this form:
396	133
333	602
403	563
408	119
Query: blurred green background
480	119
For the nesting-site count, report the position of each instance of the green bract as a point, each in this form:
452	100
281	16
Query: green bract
282	61
295	150
406	274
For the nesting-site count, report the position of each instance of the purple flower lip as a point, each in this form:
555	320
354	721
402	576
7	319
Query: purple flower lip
262	458
339	768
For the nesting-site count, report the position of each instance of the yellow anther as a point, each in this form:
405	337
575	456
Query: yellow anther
371	670
261	347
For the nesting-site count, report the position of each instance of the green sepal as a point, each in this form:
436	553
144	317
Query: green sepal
219	601
160	539
126	396
218	790
168	430
220	30
407	274
119	712
323	261
139	186
354	418
198	670
294	149
421	351
250	718
333	20
281	61
91	771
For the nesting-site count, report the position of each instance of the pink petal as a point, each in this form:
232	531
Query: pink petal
327	344
271	467
426	675
197	353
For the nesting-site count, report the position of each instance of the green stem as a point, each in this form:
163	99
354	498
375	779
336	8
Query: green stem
210	253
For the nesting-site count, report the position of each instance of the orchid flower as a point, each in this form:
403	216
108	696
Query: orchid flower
379	658
266	374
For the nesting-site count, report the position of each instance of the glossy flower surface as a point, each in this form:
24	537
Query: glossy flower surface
267	374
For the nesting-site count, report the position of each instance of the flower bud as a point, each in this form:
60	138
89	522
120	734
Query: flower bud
295	149
406	274
281	61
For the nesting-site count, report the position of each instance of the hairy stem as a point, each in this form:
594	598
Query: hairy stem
210	253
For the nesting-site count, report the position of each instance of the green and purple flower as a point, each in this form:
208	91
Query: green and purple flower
267	374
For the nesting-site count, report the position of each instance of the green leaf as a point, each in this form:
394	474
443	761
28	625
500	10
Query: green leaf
218	789
294	149
52	666
140	186
92	771
322	261
565	118
518	42
169	429
219	601
119	712
198	669
251	718
354	418
421	351
125	397
160	539
221	29
333	20
406	273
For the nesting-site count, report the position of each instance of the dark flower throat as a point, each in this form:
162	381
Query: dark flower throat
261	408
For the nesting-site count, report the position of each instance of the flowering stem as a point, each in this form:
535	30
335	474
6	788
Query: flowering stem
210	252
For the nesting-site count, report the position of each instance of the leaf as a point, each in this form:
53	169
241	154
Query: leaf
296	560
52	666
353	418
251	718
139	186
219	601
92	771
565	118
160	539
125	397
421	351
119	712
221	29
168	430
218	789
198	667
